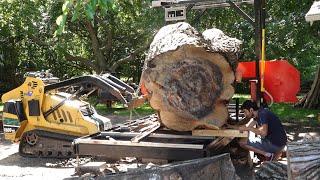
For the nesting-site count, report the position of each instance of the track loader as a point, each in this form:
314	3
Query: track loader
46	119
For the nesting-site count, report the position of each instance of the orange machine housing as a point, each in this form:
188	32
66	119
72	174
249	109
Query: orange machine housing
281	79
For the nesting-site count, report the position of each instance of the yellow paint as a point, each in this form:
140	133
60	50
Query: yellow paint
33	89
263	58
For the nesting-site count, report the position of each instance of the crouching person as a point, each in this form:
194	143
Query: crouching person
270	136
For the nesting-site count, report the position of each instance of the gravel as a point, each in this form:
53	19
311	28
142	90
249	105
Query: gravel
13	166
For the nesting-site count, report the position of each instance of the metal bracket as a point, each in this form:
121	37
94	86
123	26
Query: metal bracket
198	4
175	13
242	13
176	10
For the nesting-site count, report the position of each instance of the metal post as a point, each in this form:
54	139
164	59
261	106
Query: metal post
263	47
237	109
258	44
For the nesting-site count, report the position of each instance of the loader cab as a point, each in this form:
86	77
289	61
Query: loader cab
13	116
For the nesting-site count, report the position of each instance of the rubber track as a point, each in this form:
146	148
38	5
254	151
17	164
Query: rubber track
49	145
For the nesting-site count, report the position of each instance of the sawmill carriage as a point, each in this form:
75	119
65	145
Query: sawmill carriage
188	78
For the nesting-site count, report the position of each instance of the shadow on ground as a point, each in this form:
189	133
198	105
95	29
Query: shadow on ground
298	131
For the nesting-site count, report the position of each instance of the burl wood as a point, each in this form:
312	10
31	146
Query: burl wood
189	76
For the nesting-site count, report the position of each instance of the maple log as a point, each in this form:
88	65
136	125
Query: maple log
189	76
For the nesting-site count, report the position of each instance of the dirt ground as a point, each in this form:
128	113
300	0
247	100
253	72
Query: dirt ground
14	166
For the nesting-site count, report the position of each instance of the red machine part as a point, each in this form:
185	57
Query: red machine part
281	79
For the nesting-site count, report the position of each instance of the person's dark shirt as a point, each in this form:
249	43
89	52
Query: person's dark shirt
276	133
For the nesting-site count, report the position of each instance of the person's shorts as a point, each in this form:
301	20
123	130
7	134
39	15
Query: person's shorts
263	144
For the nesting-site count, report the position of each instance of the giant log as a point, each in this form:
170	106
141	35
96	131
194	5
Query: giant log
189	76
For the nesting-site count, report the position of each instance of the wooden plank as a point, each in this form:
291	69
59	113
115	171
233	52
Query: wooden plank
151	129
139	144
153	135
220	133
219	143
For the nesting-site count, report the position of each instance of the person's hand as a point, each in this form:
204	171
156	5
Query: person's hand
242	128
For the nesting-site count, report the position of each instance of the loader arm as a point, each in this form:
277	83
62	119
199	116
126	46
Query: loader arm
106	82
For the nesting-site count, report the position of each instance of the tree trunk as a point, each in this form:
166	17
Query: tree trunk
100	60
312	99
304	160
189	76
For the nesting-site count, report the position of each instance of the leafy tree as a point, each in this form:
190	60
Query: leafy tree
115	32
289	36
84	36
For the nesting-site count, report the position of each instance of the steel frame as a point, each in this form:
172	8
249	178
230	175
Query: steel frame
115	145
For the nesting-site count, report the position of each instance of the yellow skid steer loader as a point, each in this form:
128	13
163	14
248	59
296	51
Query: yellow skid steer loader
46	119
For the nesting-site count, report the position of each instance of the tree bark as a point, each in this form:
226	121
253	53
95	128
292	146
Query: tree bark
272	170
130	57
304	160
81	60
312	99
101	63
189	76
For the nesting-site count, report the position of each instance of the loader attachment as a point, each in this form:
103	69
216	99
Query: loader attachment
115	87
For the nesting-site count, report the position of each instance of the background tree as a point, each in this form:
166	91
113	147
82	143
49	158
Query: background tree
86	36
116	32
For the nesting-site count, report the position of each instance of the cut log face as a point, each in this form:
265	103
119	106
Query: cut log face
189	82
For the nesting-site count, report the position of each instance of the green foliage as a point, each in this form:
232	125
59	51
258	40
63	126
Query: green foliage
291	37
56	35
79	9
39	34
287	113
20	21
119	109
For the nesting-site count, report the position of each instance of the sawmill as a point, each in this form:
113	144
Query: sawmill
188	77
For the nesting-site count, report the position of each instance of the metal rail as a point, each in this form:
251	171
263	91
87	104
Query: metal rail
199	4
130	139
157	146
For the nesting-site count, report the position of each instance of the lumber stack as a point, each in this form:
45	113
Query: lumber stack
189	76
304	159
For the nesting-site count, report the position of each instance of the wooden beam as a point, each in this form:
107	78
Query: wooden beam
220	133
219	143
